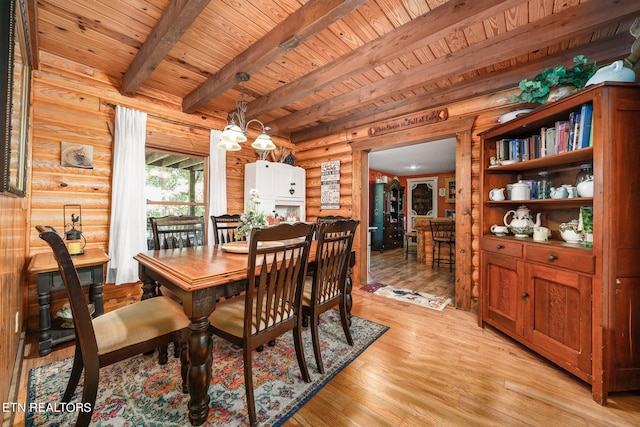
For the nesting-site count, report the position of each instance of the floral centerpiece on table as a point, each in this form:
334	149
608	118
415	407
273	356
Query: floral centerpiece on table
252	217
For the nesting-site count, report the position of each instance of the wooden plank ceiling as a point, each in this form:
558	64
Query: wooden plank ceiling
322	66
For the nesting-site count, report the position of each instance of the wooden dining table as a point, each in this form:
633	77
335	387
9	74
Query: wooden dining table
199	276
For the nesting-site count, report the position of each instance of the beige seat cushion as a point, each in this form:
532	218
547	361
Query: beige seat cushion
229	317
306	293
138	322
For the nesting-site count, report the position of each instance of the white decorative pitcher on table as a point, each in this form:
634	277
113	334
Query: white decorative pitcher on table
521	224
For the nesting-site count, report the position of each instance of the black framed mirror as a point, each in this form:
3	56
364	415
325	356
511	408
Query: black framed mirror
15	88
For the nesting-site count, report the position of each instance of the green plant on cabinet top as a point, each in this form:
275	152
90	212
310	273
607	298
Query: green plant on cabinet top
538	88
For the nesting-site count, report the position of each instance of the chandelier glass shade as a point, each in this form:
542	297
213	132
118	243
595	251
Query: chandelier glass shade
236	130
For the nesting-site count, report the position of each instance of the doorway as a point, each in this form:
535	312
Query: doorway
412	166
461	129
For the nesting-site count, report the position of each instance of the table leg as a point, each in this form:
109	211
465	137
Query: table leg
44	323
95	290
199	373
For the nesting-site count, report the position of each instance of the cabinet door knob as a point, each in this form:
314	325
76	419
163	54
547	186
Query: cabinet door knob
553	257
525	294
500	247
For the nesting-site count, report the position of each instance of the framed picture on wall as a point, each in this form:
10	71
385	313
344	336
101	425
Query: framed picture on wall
450	187
15	78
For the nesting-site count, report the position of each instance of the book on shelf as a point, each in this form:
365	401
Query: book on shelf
562	136
586	117
574	130
551	141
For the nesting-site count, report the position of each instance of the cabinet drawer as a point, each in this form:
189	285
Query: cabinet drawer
572	259
502	246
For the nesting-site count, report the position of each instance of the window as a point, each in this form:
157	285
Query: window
175	185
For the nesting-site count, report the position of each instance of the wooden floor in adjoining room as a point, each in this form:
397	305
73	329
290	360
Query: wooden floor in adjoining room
394	267
436	368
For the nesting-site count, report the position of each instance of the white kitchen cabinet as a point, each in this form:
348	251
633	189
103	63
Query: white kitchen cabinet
280	186
289	181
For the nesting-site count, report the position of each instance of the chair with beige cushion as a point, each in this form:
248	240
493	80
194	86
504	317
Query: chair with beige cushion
329	218
271	303
116	335
173	232
325	289
170	232
224	228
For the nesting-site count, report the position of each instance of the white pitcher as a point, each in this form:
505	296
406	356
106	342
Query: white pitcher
496	194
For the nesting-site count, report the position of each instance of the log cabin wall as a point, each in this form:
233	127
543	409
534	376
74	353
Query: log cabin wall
13	239
311	153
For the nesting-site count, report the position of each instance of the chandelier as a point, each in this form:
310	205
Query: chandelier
236	130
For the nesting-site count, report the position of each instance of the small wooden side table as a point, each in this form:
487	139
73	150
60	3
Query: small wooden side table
91	267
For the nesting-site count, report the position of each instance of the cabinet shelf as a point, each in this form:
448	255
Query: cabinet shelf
574	202
562	159
387	214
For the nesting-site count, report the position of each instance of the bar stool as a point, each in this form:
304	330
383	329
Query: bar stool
443	232
410	243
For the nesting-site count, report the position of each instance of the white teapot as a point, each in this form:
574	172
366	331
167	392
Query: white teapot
615	72
521	225
585	188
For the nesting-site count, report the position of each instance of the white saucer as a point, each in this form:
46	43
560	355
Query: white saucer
507	162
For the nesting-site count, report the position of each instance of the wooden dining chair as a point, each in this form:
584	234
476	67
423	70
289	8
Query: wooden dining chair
326	288
173	232
329	218
276	267
114	336
170	232
224	228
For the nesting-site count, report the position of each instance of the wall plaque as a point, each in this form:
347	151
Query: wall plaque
409	122
330	185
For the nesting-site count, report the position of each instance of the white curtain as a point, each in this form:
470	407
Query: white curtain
127	232
217	180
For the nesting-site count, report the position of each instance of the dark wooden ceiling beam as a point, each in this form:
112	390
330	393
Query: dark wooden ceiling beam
608	50
420	32
32	31
562	26
173	23
301	25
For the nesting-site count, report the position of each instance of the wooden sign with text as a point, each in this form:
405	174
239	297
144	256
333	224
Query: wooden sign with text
415	120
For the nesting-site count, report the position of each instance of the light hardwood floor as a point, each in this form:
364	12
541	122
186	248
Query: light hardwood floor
441	369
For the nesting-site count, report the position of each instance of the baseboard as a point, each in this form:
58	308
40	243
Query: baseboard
7	420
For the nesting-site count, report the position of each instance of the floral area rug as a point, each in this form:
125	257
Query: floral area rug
139	392
423	299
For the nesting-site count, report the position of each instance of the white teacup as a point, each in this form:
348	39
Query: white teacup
499	230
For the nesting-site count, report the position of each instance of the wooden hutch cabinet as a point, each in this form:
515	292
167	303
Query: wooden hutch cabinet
577	306
387	214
